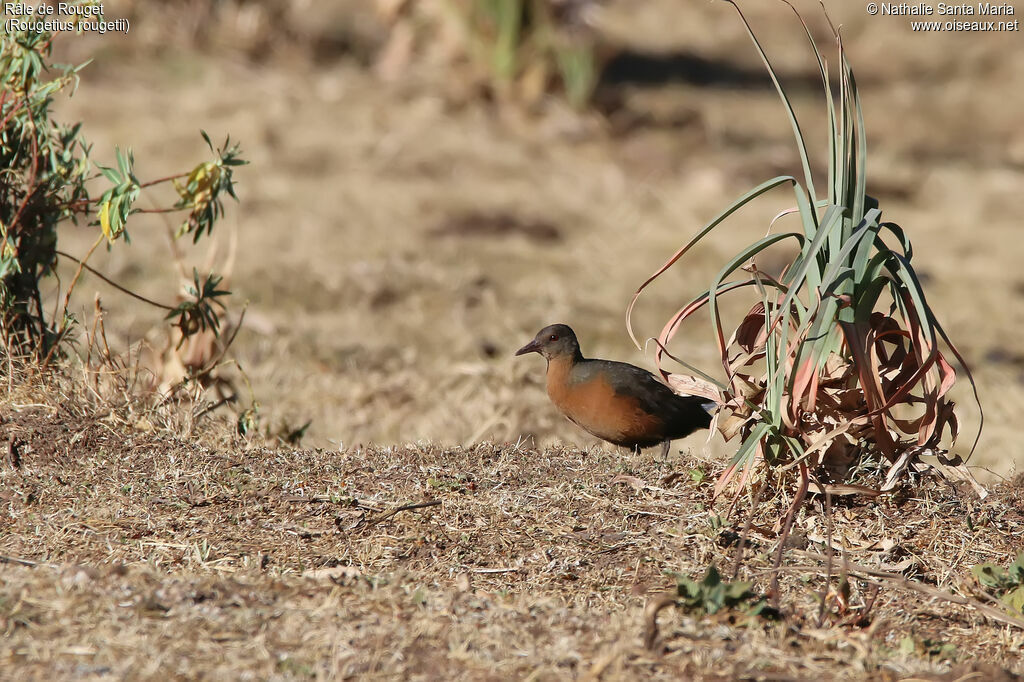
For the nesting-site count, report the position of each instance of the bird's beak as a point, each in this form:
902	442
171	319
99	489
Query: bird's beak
532	347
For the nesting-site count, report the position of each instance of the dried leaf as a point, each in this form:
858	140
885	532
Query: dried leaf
632	481
337	574
746	335
685	384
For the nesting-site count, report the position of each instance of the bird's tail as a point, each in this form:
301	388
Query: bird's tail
696	411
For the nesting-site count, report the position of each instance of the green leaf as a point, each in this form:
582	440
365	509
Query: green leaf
908	646
1016	569
738	260
686	587
1015	599
989	574
797	134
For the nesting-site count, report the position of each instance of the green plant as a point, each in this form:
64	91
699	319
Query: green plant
712	594
46	182
941	651
532	42
840	359
1007	583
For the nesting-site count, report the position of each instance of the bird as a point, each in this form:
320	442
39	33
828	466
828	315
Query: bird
620	403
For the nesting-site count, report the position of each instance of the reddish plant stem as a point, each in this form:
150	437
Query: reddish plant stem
169	178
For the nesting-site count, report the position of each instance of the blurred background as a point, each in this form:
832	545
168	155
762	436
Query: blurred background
428	188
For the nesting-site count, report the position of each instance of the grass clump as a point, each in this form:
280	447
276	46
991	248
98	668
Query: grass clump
840	360
516	50
534	43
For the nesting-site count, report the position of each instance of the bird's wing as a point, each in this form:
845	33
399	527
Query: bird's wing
652	394
627	380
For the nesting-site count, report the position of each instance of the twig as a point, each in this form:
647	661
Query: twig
103	331
78	272
742	544
31	185
829	549
113	283
897	580
790	517
407	507
161	210
869	604
159	180
319	499
13	110
210	366
654	606
210	408
15	560
7	352
67	296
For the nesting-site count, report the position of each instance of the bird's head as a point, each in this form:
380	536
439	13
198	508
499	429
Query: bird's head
553	341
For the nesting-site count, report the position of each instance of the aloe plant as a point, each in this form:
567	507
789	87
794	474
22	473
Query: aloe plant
840	358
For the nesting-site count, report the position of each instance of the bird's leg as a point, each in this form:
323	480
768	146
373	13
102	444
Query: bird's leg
665	447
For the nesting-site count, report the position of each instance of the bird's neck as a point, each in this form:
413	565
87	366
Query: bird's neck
560	369
565	360
559	377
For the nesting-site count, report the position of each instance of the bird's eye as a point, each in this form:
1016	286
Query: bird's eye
553	337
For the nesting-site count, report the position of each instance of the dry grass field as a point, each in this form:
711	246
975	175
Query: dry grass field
133	555
395	242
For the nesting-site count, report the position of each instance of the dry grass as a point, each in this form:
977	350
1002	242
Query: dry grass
395	247
138	555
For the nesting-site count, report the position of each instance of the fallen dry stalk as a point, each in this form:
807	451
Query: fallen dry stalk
897	580
16	560
651	611
407	507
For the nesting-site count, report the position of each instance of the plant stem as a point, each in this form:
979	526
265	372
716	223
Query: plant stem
159	180
67	297
114	284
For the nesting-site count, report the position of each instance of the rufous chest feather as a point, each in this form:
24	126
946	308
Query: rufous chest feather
594	404
558	381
